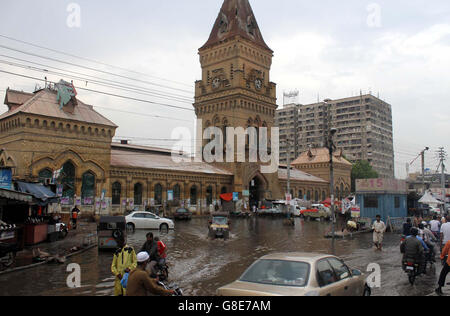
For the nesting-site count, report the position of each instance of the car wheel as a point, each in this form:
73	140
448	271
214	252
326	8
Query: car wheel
130	227
367	291
164	227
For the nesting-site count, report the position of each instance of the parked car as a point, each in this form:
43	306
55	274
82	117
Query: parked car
182	213
317	211
298	274
146	220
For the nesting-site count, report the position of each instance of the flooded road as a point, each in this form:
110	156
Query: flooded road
200	265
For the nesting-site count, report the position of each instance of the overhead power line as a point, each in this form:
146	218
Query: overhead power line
91	60
92	69
159	92
123	87
103	92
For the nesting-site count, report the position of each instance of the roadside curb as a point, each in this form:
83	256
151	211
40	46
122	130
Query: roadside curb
35	265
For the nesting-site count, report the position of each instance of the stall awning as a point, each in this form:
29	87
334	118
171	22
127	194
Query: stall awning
37	190
16	196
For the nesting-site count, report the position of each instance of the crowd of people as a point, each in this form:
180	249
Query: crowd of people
422	239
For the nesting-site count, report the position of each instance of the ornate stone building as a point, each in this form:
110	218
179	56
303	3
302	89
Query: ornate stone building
236	91
316	161
39	136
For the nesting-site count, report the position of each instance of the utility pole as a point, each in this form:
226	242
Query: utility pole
331	148
423	168
422	154
442	157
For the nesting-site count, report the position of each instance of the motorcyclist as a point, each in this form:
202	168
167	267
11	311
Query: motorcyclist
413	249
139	282
151	247
429	239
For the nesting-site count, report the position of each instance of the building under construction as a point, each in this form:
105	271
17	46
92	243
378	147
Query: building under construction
364	125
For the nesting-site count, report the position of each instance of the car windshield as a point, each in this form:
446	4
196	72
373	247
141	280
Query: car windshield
278	272
220	220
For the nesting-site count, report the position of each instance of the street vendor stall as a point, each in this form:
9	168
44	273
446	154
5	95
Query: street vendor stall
36	228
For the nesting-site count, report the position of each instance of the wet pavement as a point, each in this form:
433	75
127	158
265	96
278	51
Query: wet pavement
200	265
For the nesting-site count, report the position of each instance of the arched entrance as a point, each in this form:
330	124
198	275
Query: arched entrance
256	189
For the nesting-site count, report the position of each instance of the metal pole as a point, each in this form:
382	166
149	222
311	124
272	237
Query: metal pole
423	170
289	169
333	230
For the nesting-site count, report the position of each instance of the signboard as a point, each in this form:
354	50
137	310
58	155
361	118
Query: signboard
235	196
356	212
288	199
170	195
6	178
381	185
59	190
103	194
246	193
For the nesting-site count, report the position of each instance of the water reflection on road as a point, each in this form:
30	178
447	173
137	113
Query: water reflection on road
200	265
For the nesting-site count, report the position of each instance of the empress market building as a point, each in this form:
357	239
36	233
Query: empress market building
42	135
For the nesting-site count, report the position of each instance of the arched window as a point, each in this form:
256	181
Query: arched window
341	191
88	188
158	194
300	194
44	175
224	190
177	192
337	194
209	195
324	196
138	194
308	196
316	196
194	195
68	181
116	193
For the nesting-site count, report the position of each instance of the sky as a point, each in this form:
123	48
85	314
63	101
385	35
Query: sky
399	50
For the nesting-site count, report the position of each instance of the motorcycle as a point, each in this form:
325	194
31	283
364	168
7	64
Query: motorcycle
162	272
174	287
7	255
411	267
63	230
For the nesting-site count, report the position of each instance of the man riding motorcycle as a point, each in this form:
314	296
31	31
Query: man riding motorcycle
413	250
429	240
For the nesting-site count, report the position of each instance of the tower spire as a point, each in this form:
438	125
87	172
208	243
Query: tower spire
236	18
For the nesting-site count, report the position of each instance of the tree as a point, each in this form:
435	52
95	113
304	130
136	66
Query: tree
362	170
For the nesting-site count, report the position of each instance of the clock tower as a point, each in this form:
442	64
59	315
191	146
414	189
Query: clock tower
236	91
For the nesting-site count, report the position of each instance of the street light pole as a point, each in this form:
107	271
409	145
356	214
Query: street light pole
331	149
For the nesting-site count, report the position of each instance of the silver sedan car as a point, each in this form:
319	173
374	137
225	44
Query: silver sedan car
298	274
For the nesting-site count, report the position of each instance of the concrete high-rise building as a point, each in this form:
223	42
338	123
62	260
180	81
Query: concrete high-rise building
364	125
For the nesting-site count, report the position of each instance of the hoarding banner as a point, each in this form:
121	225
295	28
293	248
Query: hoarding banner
6	178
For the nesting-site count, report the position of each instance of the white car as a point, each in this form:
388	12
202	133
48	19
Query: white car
146	220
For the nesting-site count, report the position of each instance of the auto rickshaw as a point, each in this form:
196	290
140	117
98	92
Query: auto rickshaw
109	230
219	226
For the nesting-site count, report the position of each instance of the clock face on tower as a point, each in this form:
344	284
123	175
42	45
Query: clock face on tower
258	84
216	83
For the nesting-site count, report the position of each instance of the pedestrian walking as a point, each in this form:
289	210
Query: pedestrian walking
379	227
445	232
446	268
435	227
124	261
74	216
